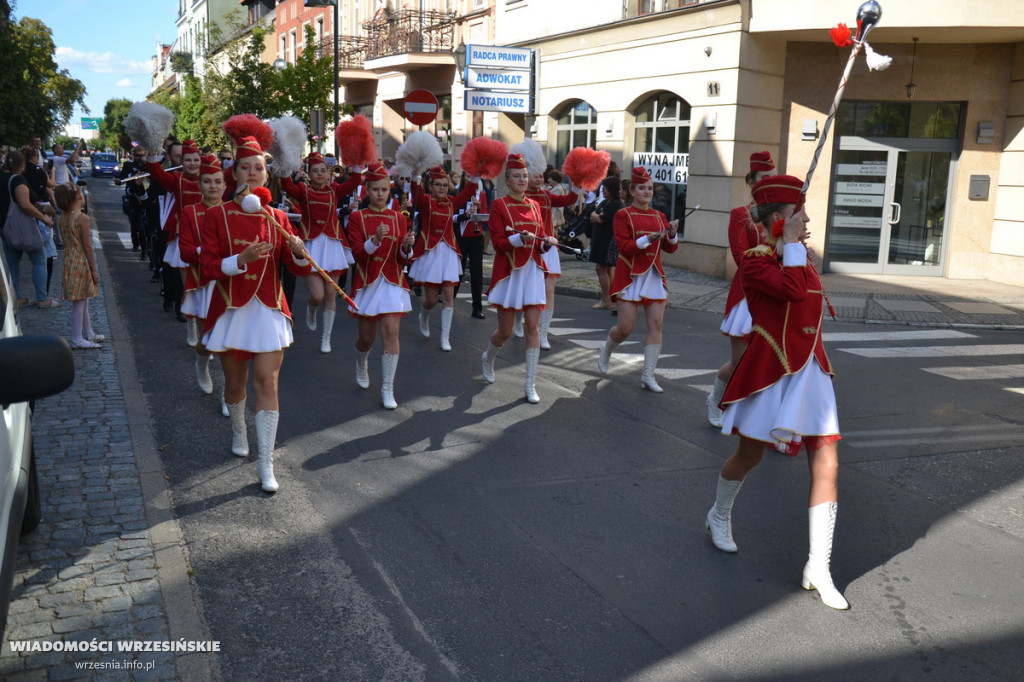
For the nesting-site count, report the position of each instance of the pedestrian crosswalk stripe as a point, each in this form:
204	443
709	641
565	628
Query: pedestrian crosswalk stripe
937	351
126	239
916	335
974	373
937	435
595	344
564	331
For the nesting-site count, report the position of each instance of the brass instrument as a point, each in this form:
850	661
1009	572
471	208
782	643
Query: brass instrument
337	170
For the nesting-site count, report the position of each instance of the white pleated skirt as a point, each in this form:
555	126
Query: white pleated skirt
524	287
737	322
438	265
647	285
172	256
254	328
553	260
330	254
197	301
381	298
801	404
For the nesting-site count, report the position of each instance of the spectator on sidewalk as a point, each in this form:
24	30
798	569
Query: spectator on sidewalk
603	251
62	175
81	277
14	190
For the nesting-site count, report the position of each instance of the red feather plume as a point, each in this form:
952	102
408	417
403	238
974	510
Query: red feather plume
777	229
356	141
484	156
587	167
264	194
249	125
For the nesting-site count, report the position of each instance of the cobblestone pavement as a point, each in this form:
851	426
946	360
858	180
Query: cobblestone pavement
101	566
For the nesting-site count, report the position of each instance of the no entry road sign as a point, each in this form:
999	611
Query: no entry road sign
420	107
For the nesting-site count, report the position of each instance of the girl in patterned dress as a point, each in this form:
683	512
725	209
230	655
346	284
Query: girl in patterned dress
80	277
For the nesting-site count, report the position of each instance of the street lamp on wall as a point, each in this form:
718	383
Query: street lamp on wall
460	60
335	5
912	86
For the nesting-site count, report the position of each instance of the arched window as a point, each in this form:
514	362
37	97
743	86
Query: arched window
661	143
575	127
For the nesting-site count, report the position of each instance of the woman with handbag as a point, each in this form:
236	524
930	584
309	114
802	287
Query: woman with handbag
20	233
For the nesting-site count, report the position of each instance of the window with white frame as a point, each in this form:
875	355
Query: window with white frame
576	126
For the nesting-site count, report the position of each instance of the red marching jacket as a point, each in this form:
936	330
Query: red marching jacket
630	224
786	307
388	259
519	214
744	234
227	231
189	242
185	191
549	200
319	209
437	219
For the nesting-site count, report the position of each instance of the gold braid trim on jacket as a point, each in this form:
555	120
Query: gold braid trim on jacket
763	333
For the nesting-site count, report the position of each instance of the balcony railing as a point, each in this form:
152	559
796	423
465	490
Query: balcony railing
351	51
391	33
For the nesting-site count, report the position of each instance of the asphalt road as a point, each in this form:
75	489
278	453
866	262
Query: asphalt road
468	535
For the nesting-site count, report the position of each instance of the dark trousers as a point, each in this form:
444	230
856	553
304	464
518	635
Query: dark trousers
135	220
473	253
174	288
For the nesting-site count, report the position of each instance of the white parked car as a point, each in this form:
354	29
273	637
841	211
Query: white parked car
31	367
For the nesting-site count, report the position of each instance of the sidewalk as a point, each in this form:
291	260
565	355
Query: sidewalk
920	301
106	563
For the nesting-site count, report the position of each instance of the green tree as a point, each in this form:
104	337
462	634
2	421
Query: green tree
251	86
308	83
194	116
39	98
112	132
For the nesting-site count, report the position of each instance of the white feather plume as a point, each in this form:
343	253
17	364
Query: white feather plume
289	142
876	61
149	124
533	155
418	153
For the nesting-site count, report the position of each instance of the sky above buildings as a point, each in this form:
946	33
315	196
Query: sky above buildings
106	44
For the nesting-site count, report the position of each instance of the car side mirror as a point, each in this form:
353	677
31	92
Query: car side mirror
34	367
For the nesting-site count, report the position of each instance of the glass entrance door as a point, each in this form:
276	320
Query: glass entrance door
889	208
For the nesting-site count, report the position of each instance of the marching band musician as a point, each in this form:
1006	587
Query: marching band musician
382	244
781	390
248	319
183	186
437	260
548	201
198	289
325	240
744	234
517	281
470	237
641	234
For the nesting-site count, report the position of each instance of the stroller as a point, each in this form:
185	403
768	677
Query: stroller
577	227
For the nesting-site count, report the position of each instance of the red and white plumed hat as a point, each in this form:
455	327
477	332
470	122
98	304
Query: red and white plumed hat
375	171
780	189
639	176
209	164
515	162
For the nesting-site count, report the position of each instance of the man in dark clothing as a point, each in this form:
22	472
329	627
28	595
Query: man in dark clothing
135	199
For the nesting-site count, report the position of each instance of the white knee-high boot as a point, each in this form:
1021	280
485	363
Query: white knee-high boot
817	575
362	369
192	332
325	335
719	519
224	406
446	328
517	326
203	374
266	434
239	433
606	353
545	322
715	397
425	322
388	363
311	317
651	354
487	362
532	358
